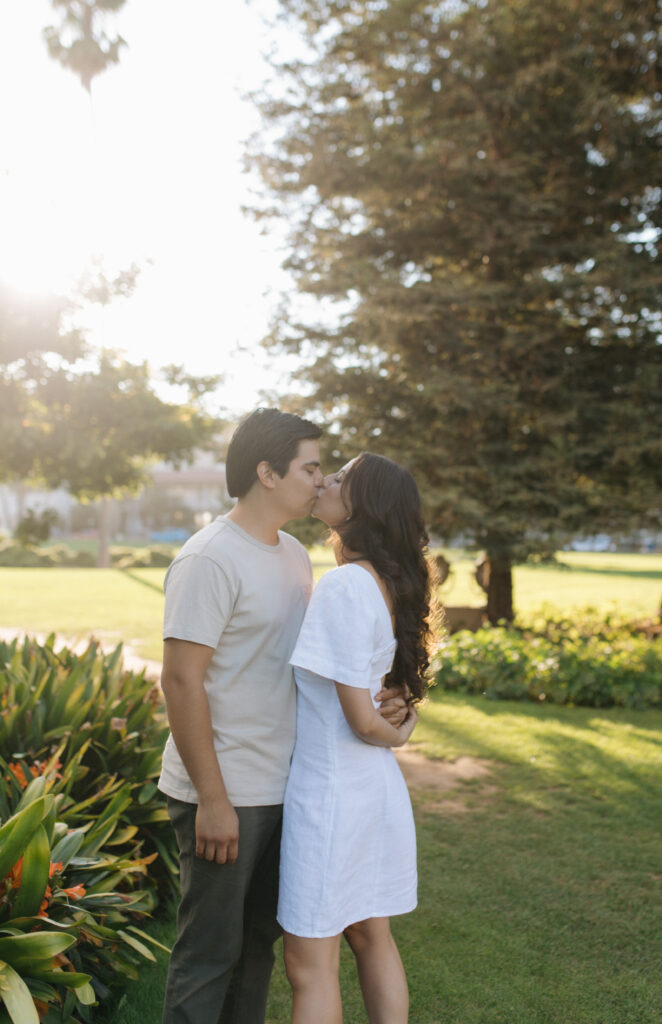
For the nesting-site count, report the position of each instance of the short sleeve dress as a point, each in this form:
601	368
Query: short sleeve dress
348	851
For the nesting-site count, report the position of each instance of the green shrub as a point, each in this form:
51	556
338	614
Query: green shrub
105	725
82	739
35	527
573	662
67	911
156	556
14	556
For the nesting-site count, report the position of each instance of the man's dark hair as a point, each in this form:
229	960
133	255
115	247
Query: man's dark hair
267	435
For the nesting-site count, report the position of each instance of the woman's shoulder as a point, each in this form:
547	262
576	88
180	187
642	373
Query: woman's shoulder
344	578
332	582
348	591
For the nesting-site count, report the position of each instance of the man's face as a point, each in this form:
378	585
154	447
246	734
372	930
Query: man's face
297	491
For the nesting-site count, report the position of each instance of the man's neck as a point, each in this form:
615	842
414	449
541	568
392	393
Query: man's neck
255	519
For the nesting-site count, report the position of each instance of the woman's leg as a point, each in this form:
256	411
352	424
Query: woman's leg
381	974
312	970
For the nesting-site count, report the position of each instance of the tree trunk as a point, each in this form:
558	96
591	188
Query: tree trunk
500	589
103	529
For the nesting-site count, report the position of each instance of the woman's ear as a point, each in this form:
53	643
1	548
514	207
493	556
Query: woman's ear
266	475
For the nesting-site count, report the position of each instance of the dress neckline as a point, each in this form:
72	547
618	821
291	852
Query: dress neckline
379	591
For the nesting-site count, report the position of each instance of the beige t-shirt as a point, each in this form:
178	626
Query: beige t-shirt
227	590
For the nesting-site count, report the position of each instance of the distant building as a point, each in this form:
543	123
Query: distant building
176	502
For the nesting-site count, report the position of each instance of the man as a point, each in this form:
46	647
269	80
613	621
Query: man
235	599
236	595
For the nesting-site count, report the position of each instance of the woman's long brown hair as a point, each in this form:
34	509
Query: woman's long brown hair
386	528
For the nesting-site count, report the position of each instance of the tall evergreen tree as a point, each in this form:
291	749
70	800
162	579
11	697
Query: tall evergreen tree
472	190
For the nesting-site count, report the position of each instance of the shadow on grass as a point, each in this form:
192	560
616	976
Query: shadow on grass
138	579
580	569
608	757
540	905
642	574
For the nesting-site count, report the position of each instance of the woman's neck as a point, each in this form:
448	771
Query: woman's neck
345	555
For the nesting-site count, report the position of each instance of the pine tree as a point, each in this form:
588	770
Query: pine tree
472	194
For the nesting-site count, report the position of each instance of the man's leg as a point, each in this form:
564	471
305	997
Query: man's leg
246	1000
210	921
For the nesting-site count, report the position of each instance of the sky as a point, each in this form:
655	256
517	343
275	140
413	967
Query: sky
148	172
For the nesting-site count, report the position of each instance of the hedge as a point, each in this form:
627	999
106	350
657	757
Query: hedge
588	660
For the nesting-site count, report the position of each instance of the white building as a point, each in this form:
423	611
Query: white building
175	503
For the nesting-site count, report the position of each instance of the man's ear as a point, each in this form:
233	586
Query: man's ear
266	475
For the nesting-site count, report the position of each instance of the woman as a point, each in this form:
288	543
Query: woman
348	855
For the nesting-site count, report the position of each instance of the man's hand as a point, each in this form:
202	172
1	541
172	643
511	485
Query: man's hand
393	705
217	832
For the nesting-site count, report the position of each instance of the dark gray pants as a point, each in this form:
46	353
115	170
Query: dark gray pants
223	956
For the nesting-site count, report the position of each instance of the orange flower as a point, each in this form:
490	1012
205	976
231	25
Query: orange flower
16	873
55	869
44	903
19	772
75	892
12	880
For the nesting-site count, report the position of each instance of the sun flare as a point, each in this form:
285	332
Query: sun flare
45	242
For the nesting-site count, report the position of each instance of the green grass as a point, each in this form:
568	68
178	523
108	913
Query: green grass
540	885
110	604
115	605
627	583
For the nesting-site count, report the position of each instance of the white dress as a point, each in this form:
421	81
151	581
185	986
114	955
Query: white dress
349	847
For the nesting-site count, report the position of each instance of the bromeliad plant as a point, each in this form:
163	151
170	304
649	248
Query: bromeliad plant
106	728
66	926
82	828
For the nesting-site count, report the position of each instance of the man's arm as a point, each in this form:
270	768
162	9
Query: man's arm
182	682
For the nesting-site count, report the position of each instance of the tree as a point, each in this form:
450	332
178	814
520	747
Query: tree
102	428
473	201
80	42
32	340
93	424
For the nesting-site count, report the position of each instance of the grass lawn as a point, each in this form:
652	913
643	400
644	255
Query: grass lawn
119	605
540	897
628	583
110	604
540	883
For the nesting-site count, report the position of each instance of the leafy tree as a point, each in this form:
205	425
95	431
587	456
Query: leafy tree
79	42
94	429
101	428
91	424
474	210
32	338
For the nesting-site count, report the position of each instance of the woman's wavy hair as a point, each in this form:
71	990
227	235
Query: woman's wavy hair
386	528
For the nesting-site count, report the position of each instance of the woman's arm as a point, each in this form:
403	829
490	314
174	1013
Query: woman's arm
367	723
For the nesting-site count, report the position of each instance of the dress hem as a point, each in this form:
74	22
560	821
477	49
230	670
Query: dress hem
328	934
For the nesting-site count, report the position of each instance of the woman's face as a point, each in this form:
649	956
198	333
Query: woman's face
332	505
